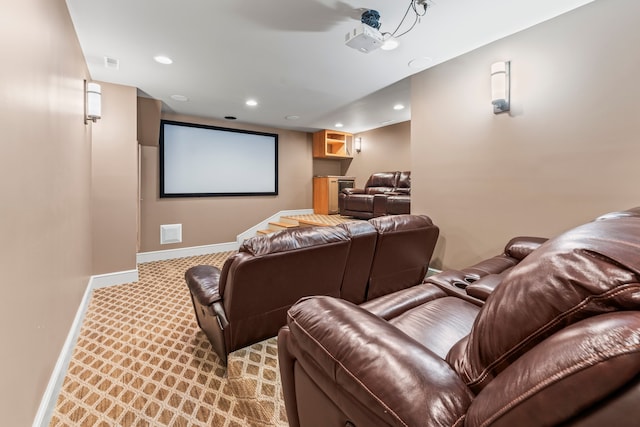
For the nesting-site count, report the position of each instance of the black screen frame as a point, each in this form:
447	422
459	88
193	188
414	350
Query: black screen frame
161	152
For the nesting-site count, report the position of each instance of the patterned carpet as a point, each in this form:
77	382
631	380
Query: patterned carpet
141	360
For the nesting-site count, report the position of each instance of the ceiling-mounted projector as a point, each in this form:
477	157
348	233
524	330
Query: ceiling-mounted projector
366	37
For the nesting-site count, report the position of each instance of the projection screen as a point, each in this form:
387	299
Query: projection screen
208	161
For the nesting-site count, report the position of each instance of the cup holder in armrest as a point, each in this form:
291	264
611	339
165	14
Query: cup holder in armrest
460	284
466	281
470	278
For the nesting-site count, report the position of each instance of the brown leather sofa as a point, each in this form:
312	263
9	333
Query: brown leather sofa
557	342
384	193
247	300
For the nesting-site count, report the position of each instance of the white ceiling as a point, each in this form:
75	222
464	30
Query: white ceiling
289	55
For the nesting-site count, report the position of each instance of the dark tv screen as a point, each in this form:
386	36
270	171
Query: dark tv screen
208	161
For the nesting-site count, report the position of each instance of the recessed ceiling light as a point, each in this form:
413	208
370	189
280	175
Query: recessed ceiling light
339	125
386	122
165	60
292	117
398	107
420	62
251	102
180	98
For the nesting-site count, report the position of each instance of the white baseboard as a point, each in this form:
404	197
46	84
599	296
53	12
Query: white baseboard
142	257
48	402
112	279
218	247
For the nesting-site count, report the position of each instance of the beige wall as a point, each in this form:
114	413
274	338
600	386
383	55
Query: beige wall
115	181
567	152
220	219
384	149
149	114
324	167
45	213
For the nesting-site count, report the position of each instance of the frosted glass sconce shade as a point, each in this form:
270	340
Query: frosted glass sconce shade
500	86
93	102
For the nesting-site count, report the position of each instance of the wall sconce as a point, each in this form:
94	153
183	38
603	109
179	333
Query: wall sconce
358	144
93	102
500	86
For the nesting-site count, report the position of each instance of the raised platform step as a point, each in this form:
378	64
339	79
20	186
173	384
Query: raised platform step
311	220
265	231
320	220
283	225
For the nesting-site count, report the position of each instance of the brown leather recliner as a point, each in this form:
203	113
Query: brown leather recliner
247	300
556	342
384	193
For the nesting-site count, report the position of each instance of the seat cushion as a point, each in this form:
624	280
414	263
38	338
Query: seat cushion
438	324
359	203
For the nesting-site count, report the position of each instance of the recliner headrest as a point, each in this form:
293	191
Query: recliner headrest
382	179
400	222
297	238
592	269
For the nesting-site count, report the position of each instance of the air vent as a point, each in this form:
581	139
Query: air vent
112	63
170	233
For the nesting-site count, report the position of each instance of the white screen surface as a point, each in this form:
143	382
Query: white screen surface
200	161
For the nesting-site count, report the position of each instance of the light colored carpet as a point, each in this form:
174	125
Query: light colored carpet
141	360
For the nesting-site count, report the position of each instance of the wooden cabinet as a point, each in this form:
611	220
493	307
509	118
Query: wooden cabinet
332	144
325	195
326	190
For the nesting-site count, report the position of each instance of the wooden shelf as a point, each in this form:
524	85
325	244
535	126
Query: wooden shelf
332	144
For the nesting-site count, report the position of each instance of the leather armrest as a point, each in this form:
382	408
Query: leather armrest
379	204
521	246
364	363
449	278
484	286
350	191
203	282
